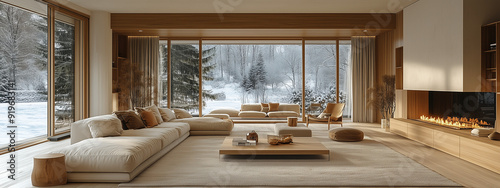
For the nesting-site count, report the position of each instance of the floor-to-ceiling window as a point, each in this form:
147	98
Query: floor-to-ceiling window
251	71
234	72
43	52
64	72
321	74
23	62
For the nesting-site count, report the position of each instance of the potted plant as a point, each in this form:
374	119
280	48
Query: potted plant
383	98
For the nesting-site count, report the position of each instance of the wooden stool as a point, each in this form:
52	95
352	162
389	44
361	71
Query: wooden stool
49	170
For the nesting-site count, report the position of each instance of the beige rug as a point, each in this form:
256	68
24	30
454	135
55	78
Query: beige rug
196	163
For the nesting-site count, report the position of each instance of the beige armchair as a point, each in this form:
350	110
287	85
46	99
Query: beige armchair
332	115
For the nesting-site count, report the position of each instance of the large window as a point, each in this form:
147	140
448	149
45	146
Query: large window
64	74
23	61
43	52
234	72
321	74
251	72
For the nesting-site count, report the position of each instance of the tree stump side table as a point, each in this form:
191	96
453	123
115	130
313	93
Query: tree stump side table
49	170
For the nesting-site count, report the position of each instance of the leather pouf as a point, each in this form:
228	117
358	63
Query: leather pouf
494	136
344	134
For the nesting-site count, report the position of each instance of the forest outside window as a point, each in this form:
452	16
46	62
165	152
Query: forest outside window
234	72
43	51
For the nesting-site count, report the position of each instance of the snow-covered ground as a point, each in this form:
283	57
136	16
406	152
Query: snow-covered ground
31	121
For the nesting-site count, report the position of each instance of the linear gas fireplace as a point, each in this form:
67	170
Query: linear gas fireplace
461	110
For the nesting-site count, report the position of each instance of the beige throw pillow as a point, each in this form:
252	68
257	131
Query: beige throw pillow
153	109
273	106
108	125
166	114
181	113
264	107
324	115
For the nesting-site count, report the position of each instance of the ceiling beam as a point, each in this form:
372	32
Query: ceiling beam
152	21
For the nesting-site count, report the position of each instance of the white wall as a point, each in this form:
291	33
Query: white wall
100	73
433	37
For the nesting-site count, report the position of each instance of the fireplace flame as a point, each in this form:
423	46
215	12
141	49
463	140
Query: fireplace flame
455	122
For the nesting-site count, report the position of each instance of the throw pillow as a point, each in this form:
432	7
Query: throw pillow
149	118
166	114
273	106
264	107
324	115
107	126
181	113
129	119
153	109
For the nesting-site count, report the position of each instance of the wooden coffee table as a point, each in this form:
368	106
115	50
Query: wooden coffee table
300	146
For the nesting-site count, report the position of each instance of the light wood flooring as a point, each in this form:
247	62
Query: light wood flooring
460	171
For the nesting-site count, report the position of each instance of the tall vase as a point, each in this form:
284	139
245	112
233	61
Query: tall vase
385	124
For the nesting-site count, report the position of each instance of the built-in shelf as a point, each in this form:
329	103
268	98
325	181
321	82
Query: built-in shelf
489	60
488	51
399	68
491	79
488	69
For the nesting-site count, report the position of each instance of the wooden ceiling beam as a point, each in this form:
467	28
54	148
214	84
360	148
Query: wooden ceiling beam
155	21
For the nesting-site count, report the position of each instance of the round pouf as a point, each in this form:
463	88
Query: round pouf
49	170
344	134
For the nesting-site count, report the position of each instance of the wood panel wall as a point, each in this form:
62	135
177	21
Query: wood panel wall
398	31
417	104
252	21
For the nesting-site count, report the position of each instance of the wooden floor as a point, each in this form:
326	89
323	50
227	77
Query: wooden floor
460	171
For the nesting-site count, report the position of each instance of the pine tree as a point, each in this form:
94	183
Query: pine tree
185	75
64	70
257	79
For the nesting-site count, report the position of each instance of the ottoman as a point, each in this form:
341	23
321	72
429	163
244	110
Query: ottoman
299	131
344	134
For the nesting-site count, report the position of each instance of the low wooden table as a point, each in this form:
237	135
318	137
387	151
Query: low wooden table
300	146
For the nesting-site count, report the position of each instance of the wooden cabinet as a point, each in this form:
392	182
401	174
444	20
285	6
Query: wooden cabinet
489	60
460	143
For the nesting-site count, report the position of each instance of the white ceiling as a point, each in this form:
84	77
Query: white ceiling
244	6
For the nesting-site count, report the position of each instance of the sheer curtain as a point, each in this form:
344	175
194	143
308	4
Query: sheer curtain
144	57
348	86
363	73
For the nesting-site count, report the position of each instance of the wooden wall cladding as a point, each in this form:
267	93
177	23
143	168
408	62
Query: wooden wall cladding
417	104
398	32
252	21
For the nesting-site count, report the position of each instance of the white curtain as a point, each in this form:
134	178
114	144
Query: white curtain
363	74
348	86
144	59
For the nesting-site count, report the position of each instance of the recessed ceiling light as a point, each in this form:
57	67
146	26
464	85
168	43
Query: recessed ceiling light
365	30
140	31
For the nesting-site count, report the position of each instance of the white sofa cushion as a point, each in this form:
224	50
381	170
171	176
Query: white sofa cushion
252	114
207	123
229	111
107	125
283	114
167	135
110	154
181	127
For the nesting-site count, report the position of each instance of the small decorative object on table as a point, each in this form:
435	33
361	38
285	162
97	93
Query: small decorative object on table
273	139
253	136
494	136
292	121
286	139
243	142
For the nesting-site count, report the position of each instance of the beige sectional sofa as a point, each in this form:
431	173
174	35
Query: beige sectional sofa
122	157
253	110
118	158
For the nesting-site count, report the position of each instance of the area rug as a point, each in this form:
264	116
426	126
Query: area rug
196	163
